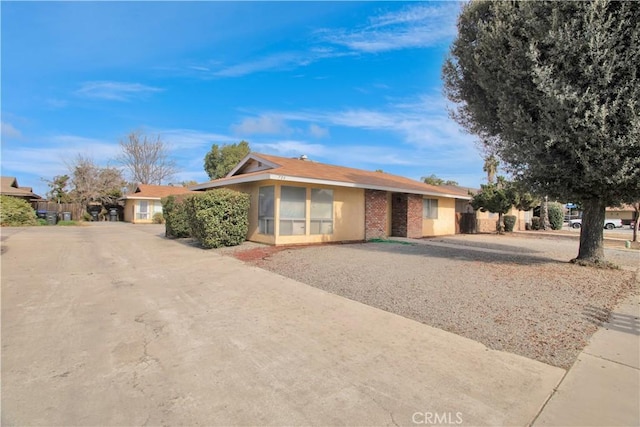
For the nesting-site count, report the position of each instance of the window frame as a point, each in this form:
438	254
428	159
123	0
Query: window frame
429	211
266	223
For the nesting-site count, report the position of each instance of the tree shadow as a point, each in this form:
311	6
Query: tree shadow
607	319
460	252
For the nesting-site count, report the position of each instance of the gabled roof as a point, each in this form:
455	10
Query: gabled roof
258	167
156	192
9	187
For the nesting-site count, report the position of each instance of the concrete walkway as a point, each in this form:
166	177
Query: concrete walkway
603	387
115	325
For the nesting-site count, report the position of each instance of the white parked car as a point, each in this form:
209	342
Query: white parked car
609	224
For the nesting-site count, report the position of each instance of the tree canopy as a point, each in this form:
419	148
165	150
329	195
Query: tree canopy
434	180
221	160
553	90
146	160
91	183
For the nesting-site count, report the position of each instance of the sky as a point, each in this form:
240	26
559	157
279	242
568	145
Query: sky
354	84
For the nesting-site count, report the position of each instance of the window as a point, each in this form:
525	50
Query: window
265	210
143	209
430	208
321	211
293	202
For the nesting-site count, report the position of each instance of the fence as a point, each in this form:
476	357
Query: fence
76	209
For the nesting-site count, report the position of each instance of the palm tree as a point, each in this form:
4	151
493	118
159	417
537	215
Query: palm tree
491	167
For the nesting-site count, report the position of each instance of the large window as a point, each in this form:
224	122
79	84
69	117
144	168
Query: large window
266	210
321	211
430	208
293	201
143	209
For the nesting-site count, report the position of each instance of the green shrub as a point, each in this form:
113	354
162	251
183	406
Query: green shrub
176	221
67	223
509	222
556	216
42	221
535	223
158	218
16	212
219	217
86	216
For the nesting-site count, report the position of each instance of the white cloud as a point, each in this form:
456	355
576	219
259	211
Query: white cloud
290	148
412	27
317	131
115	91
9	131
262	125
189	139
284	60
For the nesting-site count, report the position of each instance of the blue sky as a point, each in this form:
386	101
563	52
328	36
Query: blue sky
347	83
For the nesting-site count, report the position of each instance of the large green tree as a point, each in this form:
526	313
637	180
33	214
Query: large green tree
553	89
221	160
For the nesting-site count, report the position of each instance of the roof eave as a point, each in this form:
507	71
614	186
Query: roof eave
240	179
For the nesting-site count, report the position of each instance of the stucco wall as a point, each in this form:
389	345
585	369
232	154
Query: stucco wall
348	215
446	222
132	209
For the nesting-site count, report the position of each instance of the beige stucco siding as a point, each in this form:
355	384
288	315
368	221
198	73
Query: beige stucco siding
445	223
348	217
348	214
132	211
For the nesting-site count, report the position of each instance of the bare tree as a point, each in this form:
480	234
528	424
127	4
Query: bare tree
146	160
91	183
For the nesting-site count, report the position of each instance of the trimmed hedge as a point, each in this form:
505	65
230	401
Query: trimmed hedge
16	212
509	223
556	216
219	217
176	221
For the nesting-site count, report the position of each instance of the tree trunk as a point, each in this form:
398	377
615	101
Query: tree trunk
636	221
544	215
591	233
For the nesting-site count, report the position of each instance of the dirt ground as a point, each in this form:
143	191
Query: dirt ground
513	292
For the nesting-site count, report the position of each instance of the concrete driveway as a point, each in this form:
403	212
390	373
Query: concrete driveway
112	324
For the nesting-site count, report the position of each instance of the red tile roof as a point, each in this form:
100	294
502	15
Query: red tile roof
147	191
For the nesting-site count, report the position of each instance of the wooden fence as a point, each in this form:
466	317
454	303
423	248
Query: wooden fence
76	209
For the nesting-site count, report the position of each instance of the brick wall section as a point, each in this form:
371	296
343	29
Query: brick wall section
407	215
399	206
414	216
375	214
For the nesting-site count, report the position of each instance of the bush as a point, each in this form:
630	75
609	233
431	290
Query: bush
86	216
219	217
556	216
42	221
535	223
176	221
67	223
16	212
509	223
158	218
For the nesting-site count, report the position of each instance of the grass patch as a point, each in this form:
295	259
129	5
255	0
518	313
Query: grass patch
65	223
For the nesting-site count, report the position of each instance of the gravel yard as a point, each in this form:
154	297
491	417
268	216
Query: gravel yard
515	294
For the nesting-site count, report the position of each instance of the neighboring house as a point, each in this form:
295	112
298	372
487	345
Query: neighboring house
298	201
10	187
145	201
625	212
